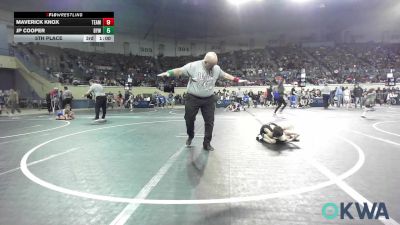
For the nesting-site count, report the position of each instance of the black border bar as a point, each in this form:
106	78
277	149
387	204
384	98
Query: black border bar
71	15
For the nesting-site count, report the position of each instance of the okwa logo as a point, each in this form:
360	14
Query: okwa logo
348	210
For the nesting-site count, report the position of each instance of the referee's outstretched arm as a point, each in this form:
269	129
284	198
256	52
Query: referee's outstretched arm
171	73
233	78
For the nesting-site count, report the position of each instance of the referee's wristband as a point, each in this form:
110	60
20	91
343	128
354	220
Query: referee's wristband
236	79
170	73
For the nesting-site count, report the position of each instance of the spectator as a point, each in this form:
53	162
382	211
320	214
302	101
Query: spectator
346	97
339	96
13	101
358	95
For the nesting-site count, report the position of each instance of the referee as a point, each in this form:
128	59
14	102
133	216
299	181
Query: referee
98	93
202	77
67	97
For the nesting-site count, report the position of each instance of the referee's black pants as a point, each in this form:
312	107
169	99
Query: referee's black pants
67	101
281	101
101	102
207	107
325	98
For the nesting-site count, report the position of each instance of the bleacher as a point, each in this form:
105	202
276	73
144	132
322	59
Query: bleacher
342	63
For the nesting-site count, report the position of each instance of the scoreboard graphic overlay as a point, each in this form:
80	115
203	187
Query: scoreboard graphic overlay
64	26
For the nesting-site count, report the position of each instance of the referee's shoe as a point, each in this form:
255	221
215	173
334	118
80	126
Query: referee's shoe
208	147
189	141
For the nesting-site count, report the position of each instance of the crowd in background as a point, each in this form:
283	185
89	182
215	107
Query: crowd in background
129	100
297	97
343	63
304	97
339	64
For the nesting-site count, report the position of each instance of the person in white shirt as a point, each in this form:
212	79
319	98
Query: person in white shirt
391	98
346	97
67	97
370	99
203	75
97	91
131	101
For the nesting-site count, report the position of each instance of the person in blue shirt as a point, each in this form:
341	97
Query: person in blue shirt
170	100
246	100
162	100
339	96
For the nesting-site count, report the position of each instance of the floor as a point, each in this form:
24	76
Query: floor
136	169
